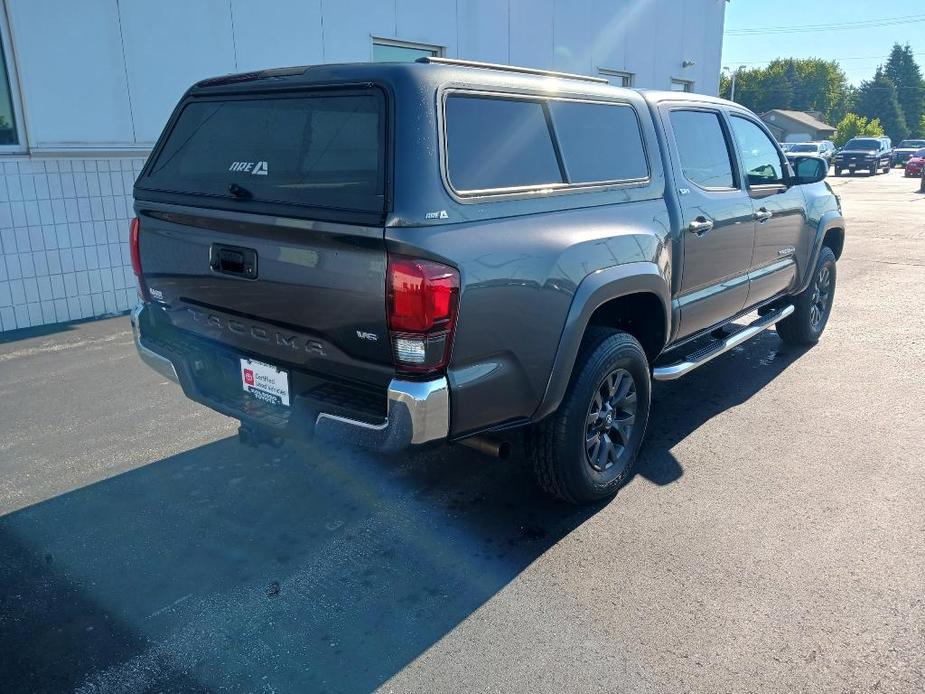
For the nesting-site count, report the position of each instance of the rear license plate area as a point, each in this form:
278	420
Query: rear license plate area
265	382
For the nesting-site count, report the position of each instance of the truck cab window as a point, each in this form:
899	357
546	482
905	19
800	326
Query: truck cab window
760	157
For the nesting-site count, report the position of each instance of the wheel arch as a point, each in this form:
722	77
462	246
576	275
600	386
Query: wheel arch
634	297
835	239
830	232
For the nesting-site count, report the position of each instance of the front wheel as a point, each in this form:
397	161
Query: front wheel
812	307
586	450
837	171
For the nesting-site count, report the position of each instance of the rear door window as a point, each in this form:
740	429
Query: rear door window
702	148
324	150
599	142
498	143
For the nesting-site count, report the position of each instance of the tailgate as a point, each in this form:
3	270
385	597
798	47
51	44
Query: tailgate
314	298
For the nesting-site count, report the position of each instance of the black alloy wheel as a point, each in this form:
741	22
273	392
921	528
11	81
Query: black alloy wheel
821	301
611	416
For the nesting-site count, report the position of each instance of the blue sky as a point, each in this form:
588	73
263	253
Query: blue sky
858	49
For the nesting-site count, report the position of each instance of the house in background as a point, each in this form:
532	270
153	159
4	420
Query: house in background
797	126
86	87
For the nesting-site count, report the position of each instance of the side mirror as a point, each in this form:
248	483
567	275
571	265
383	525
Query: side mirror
809	170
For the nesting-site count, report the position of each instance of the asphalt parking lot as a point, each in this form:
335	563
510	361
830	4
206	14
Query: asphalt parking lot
772	541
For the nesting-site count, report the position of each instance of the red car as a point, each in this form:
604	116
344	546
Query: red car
916	163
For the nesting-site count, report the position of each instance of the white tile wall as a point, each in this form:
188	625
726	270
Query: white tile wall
64	239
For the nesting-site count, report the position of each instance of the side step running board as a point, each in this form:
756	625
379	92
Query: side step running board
714	349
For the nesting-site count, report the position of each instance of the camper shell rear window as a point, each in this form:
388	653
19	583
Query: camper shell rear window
320	149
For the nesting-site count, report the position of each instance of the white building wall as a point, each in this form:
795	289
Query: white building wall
98	79
63	235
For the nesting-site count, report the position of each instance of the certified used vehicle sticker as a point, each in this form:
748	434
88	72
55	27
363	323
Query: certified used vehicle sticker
265	382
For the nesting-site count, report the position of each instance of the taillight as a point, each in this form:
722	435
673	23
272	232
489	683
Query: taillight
422	297
133	244
135	249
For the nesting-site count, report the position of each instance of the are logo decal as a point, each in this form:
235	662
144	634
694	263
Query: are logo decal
255	168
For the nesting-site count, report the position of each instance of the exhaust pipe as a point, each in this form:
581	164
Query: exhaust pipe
492	447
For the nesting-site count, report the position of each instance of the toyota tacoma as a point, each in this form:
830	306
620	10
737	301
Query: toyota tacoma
442	251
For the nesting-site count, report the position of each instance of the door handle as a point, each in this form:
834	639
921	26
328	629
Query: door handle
763	214
700	226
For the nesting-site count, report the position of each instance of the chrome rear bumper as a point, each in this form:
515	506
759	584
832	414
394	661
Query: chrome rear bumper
417	411
162	365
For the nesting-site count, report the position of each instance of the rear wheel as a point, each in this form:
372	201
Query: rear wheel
813	306
586	450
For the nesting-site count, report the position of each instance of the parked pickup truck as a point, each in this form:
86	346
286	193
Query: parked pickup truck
399	254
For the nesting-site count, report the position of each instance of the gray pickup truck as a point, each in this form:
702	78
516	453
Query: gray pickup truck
400	254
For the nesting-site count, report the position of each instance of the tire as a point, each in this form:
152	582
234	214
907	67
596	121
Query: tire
567	463
837	171
874	169
813	306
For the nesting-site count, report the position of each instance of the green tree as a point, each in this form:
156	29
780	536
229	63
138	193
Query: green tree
853	125
877	99
805	85
778	85
820	85
921	132
902	69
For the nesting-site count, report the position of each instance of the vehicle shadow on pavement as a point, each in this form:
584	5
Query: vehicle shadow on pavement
302	569
683	406
309	568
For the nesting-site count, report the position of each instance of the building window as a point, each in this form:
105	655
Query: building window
11	139
681	85
618	78
392	51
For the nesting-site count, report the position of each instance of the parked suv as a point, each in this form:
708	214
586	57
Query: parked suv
871	154
398	254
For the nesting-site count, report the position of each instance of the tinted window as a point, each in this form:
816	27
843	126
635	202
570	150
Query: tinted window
909	144
702	148
599	142
760	158
860	143
498	143
319	150
805	148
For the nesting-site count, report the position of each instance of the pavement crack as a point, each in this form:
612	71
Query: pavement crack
882	262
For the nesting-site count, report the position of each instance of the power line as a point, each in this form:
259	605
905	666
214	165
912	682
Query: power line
842	26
